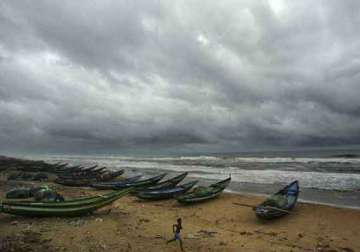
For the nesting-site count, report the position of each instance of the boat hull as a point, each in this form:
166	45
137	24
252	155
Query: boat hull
267	213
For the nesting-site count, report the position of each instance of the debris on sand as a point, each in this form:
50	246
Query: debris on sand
23	242
206	233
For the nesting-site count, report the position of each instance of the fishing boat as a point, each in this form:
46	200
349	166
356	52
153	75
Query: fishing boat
170	183
74	182
67	203
200	194
68	169
142	183
280	203
166	193
76	169
108	176
137	184
87	181
93	174
75	210
59	166
112	184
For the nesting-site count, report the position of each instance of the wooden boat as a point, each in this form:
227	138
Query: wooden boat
109	176
87	181
136	184
59	166
141	183
166	193
90	170
112	184
90	175
200	194
19	193
68	203
273	208
62	211
75	182
25	201
170	183
68	169
79	176
76	169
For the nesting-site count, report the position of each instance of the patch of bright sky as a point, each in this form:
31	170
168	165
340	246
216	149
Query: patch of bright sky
278	7
149	24
202	40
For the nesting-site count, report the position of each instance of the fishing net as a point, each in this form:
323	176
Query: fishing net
277	200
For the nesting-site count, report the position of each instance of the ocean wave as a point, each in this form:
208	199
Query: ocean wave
319	180
296	160
203	158
322	173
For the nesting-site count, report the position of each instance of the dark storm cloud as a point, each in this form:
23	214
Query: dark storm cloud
109	75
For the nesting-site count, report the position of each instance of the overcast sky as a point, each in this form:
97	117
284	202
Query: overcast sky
109	76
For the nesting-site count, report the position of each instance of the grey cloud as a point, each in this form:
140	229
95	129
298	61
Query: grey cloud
107	76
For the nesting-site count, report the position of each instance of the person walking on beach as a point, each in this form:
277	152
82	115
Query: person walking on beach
176	228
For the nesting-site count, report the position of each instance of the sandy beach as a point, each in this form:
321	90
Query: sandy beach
217	225
250	107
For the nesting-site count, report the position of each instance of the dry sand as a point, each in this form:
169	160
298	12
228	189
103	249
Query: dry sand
217	225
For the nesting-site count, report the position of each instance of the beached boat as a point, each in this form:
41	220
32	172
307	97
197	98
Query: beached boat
80	176
108	176
92	169
200	194
67	203
89	174
111	184
78	169
19	193
279	204
68	169
170	183
136	184
166	193
87	181
59	166
74	182
142	183
62	211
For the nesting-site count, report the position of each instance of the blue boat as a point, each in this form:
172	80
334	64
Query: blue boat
135	184
202	193
112	184
166	193
279	204
170	183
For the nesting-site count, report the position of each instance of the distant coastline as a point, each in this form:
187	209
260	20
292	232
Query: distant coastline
345	156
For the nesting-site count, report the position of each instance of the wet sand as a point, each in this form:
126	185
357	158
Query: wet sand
217	225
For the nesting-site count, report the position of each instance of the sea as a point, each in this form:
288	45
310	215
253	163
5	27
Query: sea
330	177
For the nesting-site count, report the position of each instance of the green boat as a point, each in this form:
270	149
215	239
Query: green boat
119	185
68	203
166	193
87	181
202	193
74	182
61	211
90	175
13	201
167	184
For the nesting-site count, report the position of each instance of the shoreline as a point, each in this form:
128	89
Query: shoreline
336	186
130	224
310	202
